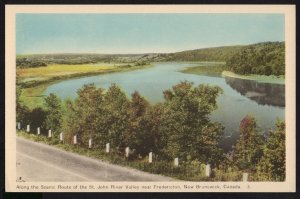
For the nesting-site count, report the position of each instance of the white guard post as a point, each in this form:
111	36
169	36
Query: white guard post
107	148
150	157
75	139
207	170
61	136
90	143
176	162
127	150
245	177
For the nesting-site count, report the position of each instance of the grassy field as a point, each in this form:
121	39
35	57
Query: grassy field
28	74
209	70
35	80
32	96
260	78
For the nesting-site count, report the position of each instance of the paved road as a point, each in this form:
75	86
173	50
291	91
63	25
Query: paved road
40	162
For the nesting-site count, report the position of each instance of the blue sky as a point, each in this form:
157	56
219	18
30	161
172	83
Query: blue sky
141	33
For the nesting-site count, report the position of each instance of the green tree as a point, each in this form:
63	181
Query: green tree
116	116
151	136
248	149
54	113
135	133
84	117
70	121
90	110
272	166
186	126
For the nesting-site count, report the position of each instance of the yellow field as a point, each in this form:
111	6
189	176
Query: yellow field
61	70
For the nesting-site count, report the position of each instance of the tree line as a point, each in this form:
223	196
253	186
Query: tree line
178	127
220	54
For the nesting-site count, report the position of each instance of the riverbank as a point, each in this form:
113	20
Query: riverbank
259	78
34	81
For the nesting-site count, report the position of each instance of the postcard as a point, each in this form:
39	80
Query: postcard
150	98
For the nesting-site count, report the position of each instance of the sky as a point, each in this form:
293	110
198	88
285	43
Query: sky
142	33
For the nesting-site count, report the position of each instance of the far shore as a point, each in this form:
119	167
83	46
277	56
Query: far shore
218	71
259	78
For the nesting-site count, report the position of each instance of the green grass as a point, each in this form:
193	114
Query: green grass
33	97
209	69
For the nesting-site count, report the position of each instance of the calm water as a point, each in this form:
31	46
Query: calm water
241	97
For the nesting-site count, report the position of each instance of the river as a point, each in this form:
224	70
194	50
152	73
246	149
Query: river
240	97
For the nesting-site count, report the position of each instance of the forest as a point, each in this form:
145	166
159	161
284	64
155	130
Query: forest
263	58
179	127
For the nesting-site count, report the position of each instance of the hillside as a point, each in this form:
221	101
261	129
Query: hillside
266	58
206	54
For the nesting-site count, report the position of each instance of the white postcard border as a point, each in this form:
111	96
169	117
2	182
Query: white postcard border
10	95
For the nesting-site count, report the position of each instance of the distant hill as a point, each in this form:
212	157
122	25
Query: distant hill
266	58
38	60
206	54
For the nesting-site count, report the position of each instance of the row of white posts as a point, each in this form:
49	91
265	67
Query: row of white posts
127	150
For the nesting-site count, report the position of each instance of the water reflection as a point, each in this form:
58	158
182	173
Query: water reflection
262	93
